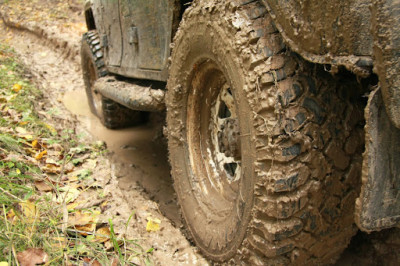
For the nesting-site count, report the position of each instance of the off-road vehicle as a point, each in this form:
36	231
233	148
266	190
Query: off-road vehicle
283	117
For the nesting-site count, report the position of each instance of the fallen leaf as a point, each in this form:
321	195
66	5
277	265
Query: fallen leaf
11	216
68	194
84	221
32	256
29	210
153	224
3	263
43	186
16	88
51	169
28	137
35	144
102	234
91	262
23	123
40	155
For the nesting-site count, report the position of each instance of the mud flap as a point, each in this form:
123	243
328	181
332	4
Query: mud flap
378	206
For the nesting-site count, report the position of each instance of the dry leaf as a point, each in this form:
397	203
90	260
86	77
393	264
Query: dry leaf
102	234
83	218
40	155
35	144
68	194
92	262
153	224
29	210
32	256
11	216
28	137
51	169
43	186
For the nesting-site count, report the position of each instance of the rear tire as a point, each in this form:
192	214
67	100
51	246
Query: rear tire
265	148
111	114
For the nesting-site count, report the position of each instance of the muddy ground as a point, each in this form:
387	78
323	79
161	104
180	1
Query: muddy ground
138	156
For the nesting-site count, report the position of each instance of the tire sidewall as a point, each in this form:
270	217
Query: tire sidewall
88	59
204	40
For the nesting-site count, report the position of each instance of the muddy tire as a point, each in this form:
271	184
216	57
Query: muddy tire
111	114
265	148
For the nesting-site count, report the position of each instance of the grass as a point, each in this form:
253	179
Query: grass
34	156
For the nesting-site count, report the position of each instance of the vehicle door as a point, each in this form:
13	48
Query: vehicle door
146	34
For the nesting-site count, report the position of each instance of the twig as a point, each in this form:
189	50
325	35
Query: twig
10	195
15	254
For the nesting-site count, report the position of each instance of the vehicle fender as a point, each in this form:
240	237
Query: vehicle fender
378	206
323	32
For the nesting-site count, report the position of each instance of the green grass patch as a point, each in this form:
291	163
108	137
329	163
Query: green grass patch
35	191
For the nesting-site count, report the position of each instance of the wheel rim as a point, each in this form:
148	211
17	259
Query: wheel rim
214	143
97	98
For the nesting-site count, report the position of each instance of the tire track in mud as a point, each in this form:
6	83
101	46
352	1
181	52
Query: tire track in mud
137	169
54	61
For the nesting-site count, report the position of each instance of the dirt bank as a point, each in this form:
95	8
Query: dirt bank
138	169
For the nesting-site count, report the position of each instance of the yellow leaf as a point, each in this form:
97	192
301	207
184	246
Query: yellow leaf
28	137
29	210
16	88
52	129
102	235
40	155
153	224
84	221
11	216
3	263
86	228
23	123
35	144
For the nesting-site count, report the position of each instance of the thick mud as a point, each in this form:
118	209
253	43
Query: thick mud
140	180
139	154
139	164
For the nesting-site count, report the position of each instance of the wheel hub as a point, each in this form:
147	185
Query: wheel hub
228	138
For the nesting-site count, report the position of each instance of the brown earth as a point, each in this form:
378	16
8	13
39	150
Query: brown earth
48	40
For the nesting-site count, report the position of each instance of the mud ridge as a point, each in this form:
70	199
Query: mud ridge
67	44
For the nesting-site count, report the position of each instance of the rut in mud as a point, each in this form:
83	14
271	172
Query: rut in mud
140	174
139	161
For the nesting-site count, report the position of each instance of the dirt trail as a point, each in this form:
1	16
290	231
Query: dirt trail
138	164
139	167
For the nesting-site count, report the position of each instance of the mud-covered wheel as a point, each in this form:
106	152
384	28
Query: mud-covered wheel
265	149
111	114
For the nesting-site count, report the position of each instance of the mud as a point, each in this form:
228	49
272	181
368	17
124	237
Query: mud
137	171
140	179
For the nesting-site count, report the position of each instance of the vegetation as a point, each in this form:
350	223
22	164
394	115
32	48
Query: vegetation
44	173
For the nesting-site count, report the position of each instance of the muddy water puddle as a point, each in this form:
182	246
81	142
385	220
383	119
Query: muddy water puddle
139	155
